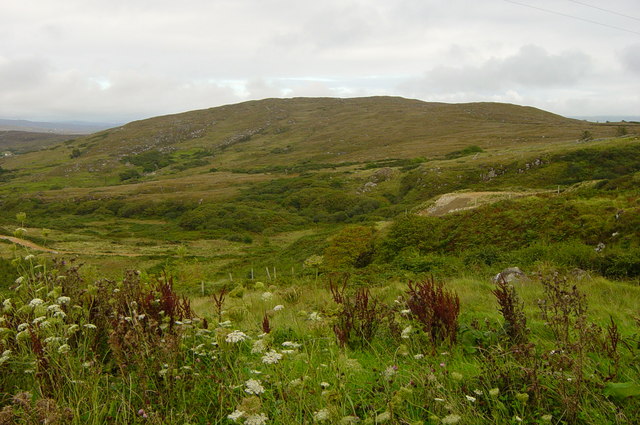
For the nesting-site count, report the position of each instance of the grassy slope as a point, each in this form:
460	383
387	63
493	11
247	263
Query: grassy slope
297	131
284	132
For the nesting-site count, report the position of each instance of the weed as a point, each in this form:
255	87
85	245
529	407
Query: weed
359	314
436	308
512	310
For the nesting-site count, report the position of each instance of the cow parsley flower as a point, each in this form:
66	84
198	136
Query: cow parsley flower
237	414
35	302
406	332
278	307
314	316
271	357
470	398
257	419
63	300
253	386
259	346
236	336
290	344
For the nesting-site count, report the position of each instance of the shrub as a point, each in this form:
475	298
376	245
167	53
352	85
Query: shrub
351	247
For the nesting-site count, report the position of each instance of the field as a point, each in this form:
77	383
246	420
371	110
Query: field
325	261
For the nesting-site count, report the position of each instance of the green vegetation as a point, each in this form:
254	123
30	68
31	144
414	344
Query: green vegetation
380	265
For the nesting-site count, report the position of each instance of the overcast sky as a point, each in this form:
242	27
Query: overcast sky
121	60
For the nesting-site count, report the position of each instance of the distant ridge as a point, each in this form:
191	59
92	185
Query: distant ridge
609	118
62	127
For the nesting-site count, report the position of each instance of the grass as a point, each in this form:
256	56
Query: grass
179	370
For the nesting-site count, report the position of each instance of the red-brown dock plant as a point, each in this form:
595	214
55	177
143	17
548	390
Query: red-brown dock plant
512	310
436	308
359	316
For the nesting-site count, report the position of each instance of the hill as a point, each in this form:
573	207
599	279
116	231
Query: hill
287	135
15	141
272	182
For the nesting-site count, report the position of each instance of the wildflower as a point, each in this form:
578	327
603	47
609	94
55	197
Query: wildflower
517	418
406	332
6	305
441	400
271	357
295	383
405	312
547	418
477	392
266	296
52	340
347	420
325	385
522	397
22	326
290	344
237	414
90	326
29	257
63	349
142	413
321	415
390	371
258	346
470	398
418	356
257	419
224	324
451	419
35	302
19	280
278	307
253	386
494	392
314	316
63	300
236	336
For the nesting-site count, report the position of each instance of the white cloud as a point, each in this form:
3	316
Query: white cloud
128	59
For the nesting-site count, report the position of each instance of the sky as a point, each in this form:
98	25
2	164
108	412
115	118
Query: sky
122	60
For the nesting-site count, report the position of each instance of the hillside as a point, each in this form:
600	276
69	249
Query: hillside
288	135
273	182
16	141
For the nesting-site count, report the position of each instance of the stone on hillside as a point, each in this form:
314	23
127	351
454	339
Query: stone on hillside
511	274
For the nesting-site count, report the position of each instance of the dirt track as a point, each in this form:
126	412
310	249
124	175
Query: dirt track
35	247
452	202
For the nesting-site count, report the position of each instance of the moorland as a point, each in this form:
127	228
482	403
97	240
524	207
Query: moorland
319	260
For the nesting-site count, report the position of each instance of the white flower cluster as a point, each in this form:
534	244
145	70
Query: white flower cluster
271	357
253	386
236	336
254	419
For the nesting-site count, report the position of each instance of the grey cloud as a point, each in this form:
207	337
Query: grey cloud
630	58
20	74
531	66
